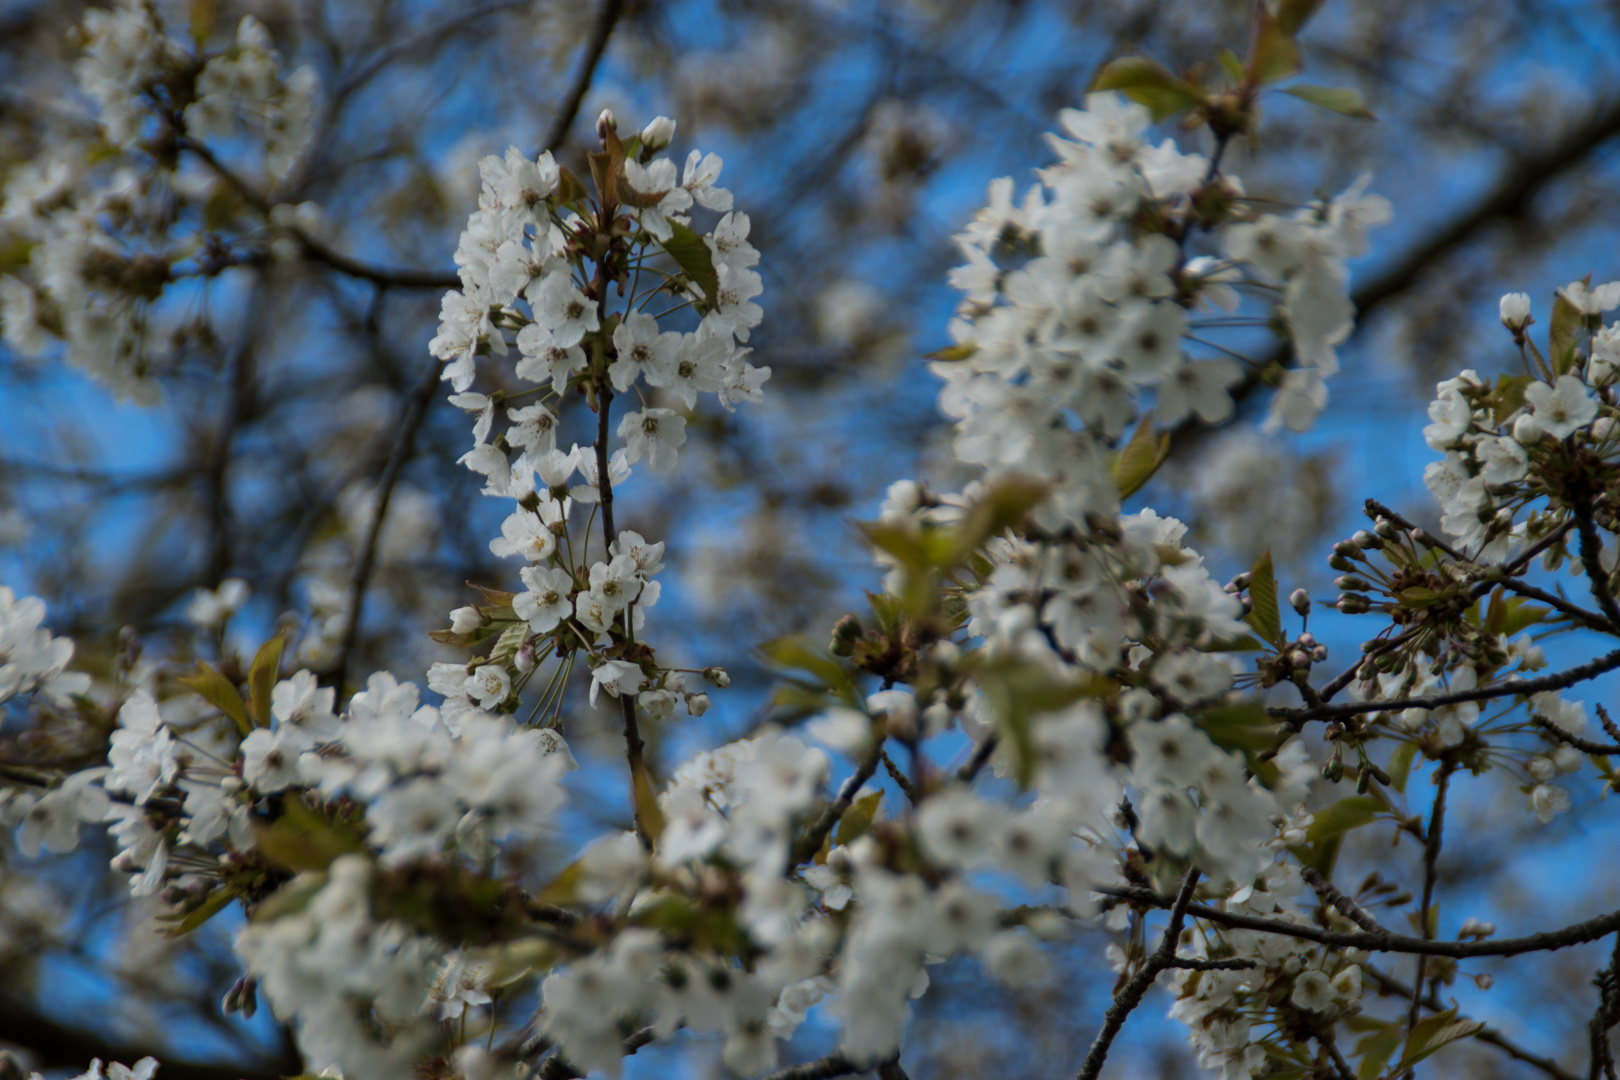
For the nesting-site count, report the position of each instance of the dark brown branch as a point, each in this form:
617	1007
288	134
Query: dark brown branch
433	35
1297	718
1547	941
410	423
1131	996
899	777
60	1047
1431	860
820	1069
1342	903
557	1067
981	755
1585	746
317	251
1490	1036
595	45
810	842
1597	579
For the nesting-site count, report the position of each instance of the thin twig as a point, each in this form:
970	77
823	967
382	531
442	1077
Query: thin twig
981	755
1597	579
1298	717
1431	860
816	834
1131	996
595	45
835	1064
1345	906
899	777
1546	941
410	423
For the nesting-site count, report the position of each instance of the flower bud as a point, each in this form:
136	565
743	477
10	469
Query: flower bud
464	620
1366	541
658	134
1354	604
1347	550
697	704
1350	583
1515	310
1527	430
846	633
1340	563
1301	600
1385	528
524	660
718	676
605	124
1602	427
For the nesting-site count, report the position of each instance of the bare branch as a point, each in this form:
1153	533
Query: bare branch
595	45
1131	996
1547	941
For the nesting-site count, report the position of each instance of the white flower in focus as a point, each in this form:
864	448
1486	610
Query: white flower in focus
617	677
654	434
1564	408
1312	991
546	603
562	309
489	685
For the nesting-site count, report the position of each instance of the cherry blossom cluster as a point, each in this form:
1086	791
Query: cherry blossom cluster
109	236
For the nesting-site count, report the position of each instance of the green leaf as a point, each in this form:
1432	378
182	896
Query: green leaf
1400	765
1275	56
1375	1050
1244	726
302	839
1567	321
857	820
1508	397
1419	596
569	188
1343	816
648	813
1016	691
1345	100
1149	83
1292	15
687	248
1432	1033
262	678
217	901
952	354
797	653
1231	64
1140	459
1266	618
218	691
1521	615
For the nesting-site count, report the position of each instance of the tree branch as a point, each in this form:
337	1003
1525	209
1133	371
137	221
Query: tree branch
59	1046
595	45
410	423
810	842
1131	996
1547	941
